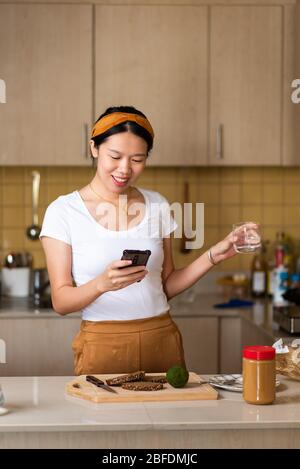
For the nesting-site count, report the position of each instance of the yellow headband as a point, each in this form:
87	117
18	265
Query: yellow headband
109	121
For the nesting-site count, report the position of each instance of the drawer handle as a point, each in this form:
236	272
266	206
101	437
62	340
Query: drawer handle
86	140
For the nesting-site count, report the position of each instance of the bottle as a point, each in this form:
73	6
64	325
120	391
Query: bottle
288	258
259	375
280	286
271	279
279	249
298	265
295	281
259	271
270	260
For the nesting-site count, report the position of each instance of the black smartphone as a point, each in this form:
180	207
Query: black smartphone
137	257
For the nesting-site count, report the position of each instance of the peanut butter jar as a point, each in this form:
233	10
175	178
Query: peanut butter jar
259	375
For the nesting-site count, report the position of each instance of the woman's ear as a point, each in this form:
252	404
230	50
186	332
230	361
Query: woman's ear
94	149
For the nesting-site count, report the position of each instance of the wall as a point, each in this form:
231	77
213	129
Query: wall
269	195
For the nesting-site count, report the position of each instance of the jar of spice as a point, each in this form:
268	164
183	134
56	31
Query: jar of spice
259	375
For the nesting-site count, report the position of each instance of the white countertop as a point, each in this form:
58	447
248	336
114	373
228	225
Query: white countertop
40	405
184	305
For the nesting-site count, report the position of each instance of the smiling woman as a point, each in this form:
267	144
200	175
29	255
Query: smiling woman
126	322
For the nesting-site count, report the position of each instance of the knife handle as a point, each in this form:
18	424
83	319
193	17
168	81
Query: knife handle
94	380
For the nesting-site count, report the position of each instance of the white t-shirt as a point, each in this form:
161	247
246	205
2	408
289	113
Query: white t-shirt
94	247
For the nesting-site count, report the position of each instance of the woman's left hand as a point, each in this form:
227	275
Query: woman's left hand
224	249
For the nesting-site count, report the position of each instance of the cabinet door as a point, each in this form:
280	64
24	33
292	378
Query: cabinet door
200	341
292	23
46	62
230	345
155	58
245	85
254	335
38	346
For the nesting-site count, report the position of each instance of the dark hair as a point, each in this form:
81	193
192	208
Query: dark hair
129	126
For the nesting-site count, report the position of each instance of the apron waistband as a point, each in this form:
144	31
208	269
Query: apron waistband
133	325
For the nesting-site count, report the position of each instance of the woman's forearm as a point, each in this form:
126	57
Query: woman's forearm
68	299
181	279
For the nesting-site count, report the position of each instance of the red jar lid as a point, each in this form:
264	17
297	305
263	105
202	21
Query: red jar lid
259	352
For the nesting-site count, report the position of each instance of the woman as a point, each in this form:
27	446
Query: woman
126	325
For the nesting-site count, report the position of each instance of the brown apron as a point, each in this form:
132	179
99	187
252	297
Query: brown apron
152	344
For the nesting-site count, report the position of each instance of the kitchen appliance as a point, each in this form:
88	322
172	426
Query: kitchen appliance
193	391
18	259
40	288
288	318
15	281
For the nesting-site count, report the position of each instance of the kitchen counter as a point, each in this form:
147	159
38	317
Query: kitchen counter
213	338
40	415
260	314
24	308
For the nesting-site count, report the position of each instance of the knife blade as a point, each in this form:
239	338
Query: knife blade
99	383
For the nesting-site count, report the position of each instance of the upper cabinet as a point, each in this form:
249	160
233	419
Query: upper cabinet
156	59
293	157
245	85
46	62
214	80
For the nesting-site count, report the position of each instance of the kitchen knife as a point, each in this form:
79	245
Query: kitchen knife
100	384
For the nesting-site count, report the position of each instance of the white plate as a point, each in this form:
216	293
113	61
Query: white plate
3	411
219	381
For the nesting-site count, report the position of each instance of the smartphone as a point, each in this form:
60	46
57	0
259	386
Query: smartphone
137	257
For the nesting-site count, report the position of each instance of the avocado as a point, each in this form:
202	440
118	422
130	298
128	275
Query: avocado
177	376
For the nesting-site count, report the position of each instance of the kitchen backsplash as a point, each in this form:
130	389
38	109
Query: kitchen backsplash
269	195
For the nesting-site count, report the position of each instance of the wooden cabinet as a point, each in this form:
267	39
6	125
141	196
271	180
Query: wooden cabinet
46	62
230	345
214	80
38	346
293	157
200	340
235	334
254	335
245	85
156	59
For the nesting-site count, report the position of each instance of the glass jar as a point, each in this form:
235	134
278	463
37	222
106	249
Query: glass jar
259	375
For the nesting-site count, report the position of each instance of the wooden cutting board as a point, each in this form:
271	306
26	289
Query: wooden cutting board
192	391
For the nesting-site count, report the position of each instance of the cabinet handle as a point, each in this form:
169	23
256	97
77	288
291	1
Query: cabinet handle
86	141
220	142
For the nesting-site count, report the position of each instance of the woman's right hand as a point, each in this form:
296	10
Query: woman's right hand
115	278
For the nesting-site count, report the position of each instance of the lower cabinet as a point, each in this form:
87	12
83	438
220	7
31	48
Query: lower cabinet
200	341
235	334
230	345
42	346
38	346
254	335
